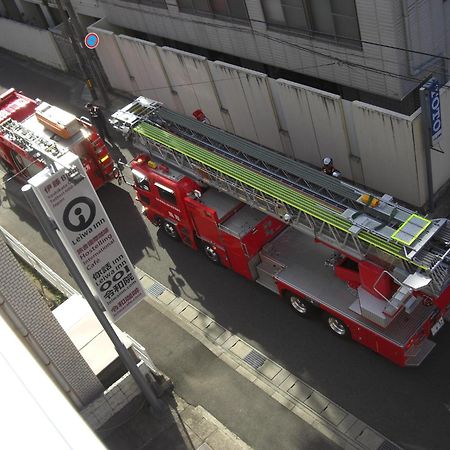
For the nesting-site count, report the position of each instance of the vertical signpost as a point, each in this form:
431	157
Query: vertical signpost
90	238
77	225
431	127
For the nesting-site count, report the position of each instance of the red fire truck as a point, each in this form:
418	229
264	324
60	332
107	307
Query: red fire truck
29	127
378	271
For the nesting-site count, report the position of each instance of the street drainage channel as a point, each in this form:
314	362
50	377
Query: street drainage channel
255	359
156	289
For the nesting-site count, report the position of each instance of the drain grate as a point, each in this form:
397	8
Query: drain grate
255	359
386	445
156	289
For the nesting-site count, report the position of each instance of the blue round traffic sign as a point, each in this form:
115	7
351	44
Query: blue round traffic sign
91	40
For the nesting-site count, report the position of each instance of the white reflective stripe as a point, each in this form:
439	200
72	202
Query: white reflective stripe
138	175
164	188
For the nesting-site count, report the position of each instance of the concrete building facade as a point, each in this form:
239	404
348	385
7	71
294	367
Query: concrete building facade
376	51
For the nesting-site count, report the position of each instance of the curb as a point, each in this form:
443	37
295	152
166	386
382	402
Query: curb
308	404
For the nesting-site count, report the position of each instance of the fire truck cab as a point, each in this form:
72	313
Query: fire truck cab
225	229
26	125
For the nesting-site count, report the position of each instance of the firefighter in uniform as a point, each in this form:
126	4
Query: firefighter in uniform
327	165
328	168
99	121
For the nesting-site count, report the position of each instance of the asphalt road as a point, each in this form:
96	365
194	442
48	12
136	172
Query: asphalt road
410	406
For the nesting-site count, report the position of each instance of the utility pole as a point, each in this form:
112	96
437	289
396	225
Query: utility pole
76	49
90	55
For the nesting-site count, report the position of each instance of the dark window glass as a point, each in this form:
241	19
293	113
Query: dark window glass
234	9
140	180
158	3
335	20
167	195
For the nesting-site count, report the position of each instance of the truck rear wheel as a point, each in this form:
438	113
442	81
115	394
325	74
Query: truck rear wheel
171	230
211	253
338	327
301	306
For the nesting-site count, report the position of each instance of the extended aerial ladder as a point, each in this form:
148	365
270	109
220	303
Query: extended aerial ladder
413	249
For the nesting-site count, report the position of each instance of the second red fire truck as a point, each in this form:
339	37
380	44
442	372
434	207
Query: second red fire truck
378	271
29	128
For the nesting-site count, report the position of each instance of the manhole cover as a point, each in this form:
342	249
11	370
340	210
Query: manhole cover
255	359
156	289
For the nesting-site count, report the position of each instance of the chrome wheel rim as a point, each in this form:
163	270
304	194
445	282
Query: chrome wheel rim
211	253
337	326
170	230
299	305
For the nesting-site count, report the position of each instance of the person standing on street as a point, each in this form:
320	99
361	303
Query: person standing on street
99	121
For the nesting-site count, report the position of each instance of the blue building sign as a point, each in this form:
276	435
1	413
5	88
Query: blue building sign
435	107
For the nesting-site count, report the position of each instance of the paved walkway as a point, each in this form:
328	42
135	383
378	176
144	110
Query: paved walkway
181	426
320	422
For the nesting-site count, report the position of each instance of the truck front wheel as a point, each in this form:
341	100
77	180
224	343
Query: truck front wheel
171	231
338	327
301	306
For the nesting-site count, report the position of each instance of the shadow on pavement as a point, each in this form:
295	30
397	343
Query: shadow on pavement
136	427
127	221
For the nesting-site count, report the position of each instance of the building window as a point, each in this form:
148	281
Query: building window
328	19
220	9
157	3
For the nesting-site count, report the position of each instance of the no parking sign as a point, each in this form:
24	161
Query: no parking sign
91	40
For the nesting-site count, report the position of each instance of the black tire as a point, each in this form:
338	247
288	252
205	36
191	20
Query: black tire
302	307
171	230
210	253
337	326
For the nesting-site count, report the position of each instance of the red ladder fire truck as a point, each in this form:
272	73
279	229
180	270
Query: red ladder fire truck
28	127
379	271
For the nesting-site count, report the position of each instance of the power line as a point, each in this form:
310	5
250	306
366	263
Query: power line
316	52
294	31
212	80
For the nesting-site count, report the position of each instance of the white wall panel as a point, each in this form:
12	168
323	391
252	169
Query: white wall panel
389	152
315	122
295	117
32	42
111	57
245	94
231	94
190	78
144	65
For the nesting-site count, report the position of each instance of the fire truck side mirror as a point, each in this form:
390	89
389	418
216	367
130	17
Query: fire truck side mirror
197	193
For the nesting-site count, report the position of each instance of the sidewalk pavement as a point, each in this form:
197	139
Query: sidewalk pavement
180	426
237	384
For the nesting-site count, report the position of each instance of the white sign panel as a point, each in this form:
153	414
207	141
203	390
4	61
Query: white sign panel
90	238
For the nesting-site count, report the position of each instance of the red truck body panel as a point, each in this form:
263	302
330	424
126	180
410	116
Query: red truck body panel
83	141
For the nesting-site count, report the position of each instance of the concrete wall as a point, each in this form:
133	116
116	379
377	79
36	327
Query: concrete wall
370	145
380	21
32	42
